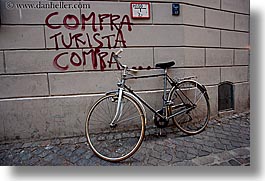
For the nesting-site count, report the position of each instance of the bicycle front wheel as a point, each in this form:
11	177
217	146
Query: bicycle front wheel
119	140
191	106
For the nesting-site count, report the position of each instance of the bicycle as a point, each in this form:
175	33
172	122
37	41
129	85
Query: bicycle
116	123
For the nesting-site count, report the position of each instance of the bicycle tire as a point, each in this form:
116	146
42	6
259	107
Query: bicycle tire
116	143
184	95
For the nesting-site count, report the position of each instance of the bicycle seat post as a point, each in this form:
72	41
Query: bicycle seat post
165	67
165	87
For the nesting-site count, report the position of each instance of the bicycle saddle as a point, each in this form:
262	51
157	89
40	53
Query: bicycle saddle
165	65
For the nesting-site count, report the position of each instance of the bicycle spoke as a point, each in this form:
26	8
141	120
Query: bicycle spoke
197	100
128	119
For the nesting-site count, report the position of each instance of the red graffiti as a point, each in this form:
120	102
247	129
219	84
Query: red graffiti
91	36
85	40
75	59
112	20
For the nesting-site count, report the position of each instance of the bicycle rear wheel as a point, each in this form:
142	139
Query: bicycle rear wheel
191	100
119	141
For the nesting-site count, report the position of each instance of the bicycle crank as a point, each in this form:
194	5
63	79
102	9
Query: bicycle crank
160	122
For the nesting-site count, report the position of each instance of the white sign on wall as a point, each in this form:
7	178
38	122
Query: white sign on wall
140	10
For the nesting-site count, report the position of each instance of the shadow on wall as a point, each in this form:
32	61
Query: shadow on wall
255	89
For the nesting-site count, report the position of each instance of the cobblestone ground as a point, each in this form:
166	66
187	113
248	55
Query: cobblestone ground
225	142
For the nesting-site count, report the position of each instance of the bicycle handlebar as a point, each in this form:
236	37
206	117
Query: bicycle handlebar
119	52
116	56
125	67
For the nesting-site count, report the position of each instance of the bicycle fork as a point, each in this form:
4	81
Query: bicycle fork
119	108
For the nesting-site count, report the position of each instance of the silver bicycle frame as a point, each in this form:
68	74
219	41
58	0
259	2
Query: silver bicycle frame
139	100
119	108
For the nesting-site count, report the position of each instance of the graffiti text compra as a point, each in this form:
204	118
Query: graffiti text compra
92	33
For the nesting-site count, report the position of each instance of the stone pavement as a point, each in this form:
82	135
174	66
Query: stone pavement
225	142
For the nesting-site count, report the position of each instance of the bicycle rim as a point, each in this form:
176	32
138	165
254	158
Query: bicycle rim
118	142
